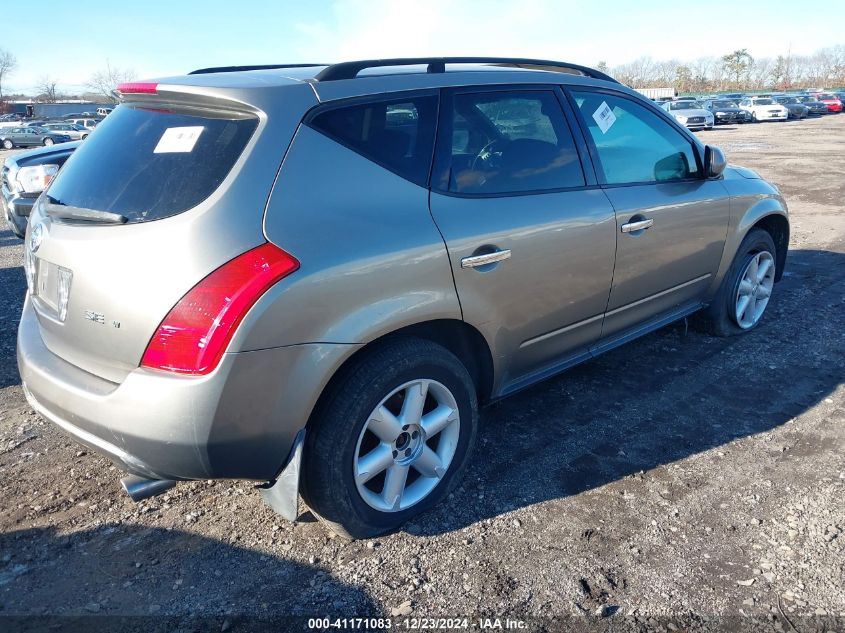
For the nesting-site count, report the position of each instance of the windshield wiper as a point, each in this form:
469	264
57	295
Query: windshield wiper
61	211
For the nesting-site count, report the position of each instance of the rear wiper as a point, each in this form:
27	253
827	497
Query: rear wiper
62	211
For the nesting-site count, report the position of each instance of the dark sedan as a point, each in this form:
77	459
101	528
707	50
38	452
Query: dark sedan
24	176
797	110
726	111
29	137
815	107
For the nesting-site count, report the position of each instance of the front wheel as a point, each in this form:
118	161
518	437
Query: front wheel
48	141
746	289
390	439
754	117
7	144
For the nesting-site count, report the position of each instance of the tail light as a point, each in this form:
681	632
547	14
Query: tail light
137	87
194	335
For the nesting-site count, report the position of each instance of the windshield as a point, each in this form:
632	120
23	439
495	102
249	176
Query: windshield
724	104
685	105
763	102
149	164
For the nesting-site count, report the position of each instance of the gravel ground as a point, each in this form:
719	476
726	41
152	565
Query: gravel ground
679	483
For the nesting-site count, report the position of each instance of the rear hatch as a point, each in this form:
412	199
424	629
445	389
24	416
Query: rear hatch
148	206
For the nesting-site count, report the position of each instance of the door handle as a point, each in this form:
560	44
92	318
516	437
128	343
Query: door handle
640	225
482	260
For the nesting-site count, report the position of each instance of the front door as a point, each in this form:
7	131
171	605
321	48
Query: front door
671	222
531	246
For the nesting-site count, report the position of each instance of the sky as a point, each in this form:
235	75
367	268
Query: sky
159	38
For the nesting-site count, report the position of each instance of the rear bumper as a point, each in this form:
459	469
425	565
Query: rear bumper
238	422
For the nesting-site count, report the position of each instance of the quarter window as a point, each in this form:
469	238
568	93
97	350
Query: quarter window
509	142
397	134
634	144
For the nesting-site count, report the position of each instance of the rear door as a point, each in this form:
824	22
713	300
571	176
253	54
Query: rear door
531	240
671	222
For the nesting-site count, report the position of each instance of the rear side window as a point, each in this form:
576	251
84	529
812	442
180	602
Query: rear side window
150	164
397	134
509	142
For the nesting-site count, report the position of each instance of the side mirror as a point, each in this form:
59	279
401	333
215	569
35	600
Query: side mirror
714	161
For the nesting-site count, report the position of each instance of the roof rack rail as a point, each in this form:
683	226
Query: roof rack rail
235	69
350	70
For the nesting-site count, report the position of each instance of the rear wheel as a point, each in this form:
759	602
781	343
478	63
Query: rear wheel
746	289
391	439
7	144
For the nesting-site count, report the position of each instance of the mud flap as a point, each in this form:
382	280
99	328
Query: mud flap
282	494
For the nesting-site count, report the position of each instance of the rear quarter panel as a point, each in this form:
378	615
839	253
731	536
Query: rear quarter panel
372	260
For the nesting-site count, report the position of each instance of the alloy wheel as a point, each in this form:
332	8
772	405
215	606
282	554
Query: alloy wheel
754	290
406	446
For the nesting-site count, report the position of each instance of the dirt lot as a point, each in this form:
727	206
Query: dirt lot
680	483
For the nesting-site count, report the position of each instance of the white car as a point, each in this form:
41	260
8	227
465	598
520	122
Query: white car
690	113
764	109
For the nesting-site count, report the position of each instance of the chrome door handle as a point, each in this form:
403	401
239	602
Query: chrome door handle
487	258
637	226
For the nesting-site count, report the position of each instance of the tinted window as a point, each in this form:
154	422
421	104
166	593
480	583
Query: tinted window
397	134
509	142
150	164
633	143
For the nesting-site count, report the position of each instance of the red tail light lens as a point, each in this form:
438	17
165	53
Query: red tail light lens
195	333
138	87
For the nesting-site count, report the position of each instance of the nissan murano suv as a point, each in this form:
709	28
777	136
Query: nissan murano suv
311	277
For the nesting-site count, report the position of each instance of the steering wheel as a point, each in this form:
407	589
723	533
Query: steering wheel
488	152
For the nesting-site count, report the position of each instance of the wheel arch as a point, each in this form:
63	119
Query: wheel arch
777	226
457	336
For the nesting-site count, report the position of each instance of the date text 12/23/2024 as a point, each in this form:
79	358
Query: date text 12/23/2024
416	624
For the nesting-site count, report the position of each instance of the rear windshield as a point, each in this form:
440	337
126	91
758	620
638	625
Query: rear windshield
150	164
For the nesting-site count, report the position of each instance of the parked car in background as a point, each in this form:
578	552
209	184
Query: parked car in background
75	132
103	112
831	101
764	109
795	109
35	122
690	113
30	136
351	332
813	105
24	176
726	111
86	122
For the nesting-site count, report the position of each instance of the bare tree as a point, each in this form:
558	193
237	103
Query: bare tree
8	63
104	81
737	64
47	90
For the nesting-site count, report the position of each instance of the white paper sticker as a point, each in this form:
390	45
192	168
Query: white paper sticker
604	117
178	139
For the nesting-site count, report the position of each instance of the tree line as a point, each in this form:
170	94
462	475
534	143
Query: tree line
737	70
98	87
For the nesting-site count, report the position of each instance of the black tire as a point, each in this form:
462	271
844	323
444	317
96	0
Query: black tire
754	117
718	318
48	141
327	485
7	144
